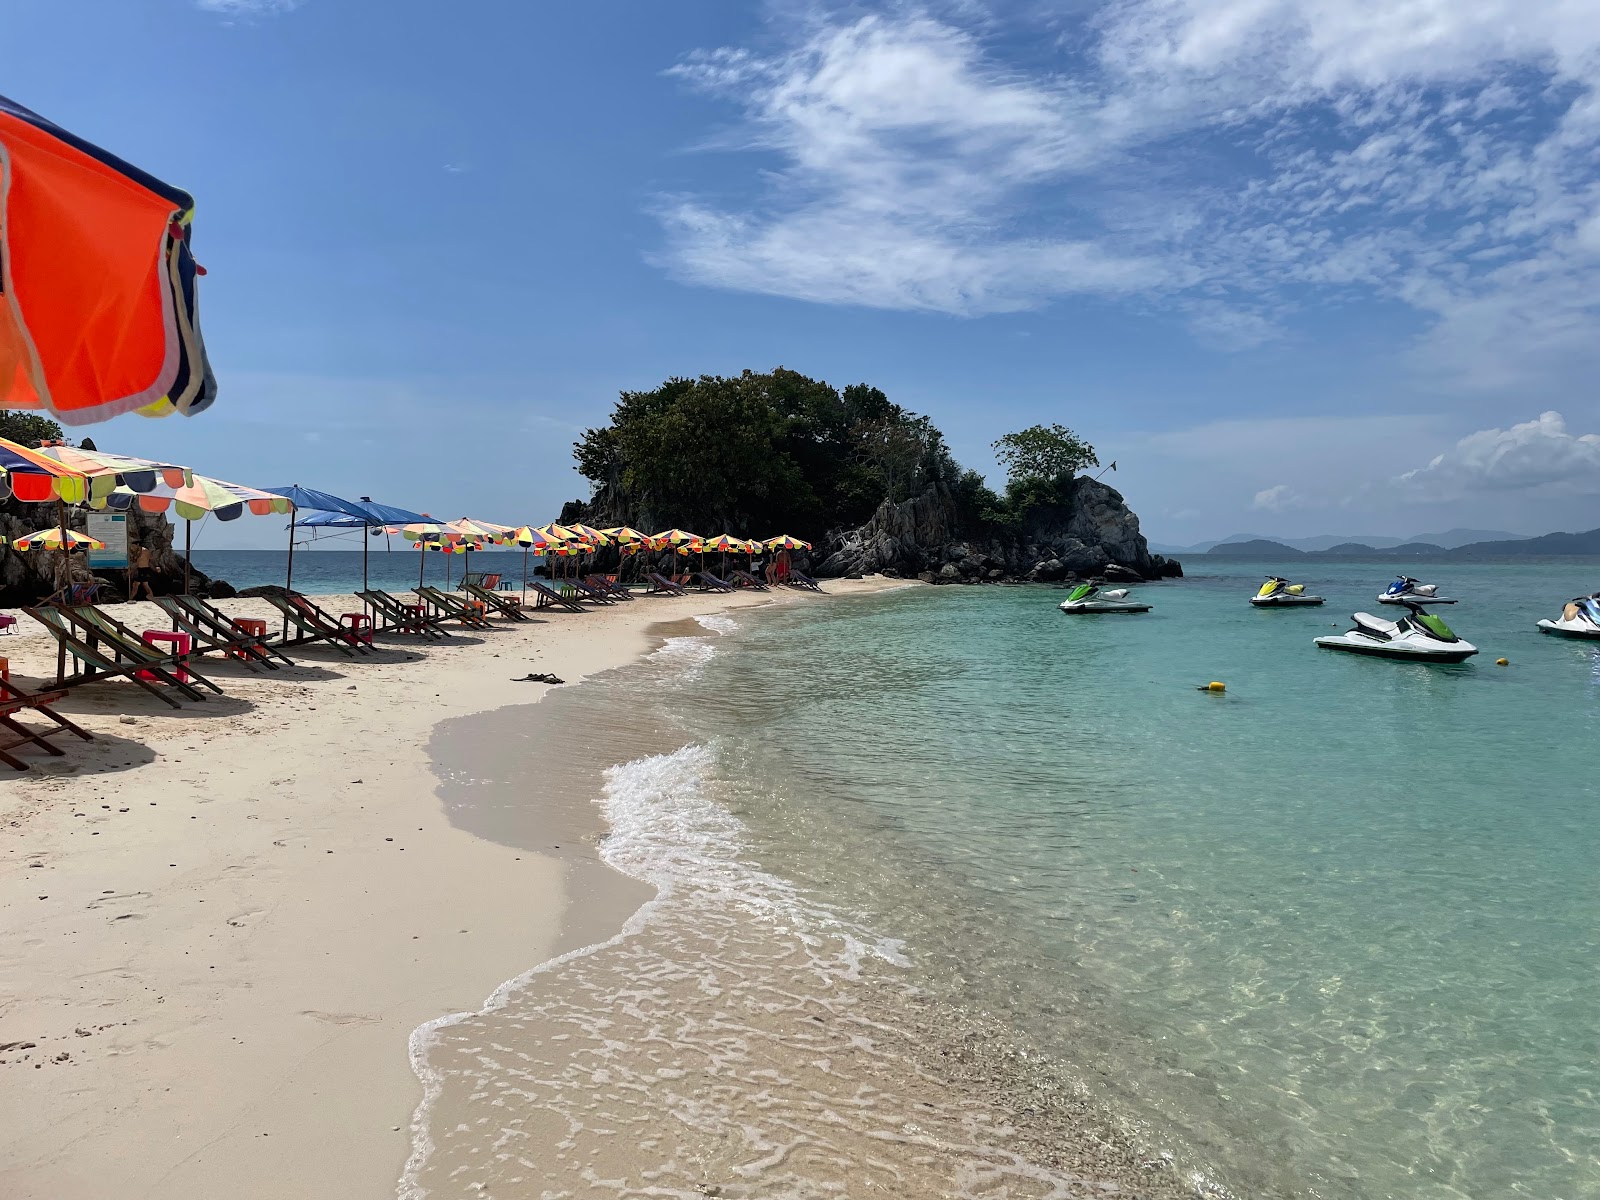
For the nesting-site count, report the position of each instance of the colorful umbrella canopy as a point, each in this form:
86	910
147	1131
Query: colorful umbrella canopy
556	533
587	533
725	544
672	537
36	478
202	498
304	497
99	314
485	531
133	474
784	542
56	538
528	538
454	546
625	535
424	531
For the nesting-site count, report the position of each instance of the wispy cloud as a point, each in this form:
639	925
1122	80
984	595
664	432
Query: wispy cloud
1237	159
248	8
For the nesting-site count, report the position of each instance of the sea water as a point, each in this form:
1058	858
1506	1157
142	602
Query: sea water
1331	932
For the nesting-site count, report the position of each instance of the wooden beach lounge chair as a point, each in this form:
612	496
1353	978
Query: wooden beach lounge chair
97	665
452	607
96	624
313	624
667	587
508	607
580	590
712	583
800	579
399	617
221	624
547	597
210	637
13	702
744	579
609	585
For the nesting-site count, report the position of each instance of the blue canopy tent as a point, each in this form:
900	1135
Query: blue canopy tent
364	514
323	505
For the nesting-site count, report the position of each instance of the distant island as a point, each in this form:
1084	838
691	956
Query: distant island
1449	539
1512	546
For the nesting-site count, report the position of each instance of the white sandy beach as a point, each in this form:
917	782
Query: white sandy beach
222	923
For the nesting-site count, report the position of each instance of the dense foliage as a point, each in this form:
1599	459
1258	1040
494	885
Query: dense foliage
1041	463
28	429
762	453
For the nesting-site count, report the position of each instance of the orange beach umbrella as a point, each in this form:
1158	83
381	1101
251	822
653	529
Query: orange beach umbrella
98	314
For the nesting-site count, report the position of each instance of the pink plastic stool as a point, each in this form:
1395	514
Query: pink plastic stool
181	643
354	622
8	624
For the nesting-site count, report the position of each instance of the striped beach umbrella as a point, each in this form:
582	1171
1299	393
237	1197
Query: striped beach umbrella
784	542
36	478
57	538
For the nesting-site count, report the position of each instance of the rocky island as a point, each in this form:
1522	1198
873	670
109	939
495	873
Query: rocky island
871	485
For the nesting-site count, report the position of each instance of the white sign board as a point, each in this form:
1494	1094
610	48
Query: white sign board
112	529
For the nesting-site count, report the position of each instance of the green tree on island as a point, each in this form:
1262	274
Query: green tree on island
759	452
1041	462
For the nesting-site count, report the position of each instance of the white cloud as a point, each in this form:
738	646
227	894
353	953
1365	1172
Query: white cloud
249	8
1537	456
1278	498
1238	159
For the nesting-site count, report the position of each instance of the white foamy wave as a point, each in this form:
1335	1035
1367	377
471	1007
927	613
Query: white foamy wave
717	623
668	831
688	654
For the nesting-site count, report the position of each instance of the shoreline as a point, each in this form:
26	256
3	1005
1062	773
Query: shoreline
257	1046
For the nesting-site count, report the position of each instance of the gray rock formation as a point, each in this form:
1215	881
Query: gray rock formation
1093	533
29	576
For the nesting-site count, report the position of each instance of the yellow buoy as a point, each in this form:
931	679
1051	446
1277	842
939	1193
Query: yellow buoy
1215	686
1502	662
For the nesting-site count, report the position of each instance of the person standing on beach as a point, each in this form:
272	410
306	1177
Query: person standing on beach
138	560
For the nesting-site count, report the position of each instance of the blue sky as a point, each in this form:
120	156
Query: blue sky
1297	269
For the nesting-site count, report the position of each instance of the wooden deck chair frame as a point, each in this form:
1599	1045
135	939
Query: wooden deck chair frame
221	624
452	607
312	629
98	665
713	583
397	618
510	609
207	641
547	597
13	702
665	585
97	623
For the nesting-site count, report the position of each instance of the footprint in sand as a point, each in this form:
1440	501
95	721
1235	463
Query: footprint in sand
334	1018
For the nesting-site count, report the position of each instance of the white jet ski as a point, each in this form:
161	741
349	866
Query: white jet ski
1088	598
1278	592
1420	637
1406	588
1580	618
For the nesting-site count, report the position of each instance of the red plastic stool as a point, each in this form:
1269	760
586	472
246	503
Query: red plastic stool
8	624
354	622
479	607
254	626
181	643
419	618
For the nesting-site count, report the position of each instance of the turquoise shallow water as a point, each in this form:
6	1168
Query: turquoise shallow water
1333	932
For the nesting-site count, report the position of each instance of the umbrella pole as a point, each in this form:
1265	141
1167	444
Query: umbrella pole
288	579
525	576
422	561
188	550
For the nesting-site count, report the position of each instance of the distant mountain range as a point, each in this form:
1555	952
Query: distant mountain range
1450	539
1513	545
